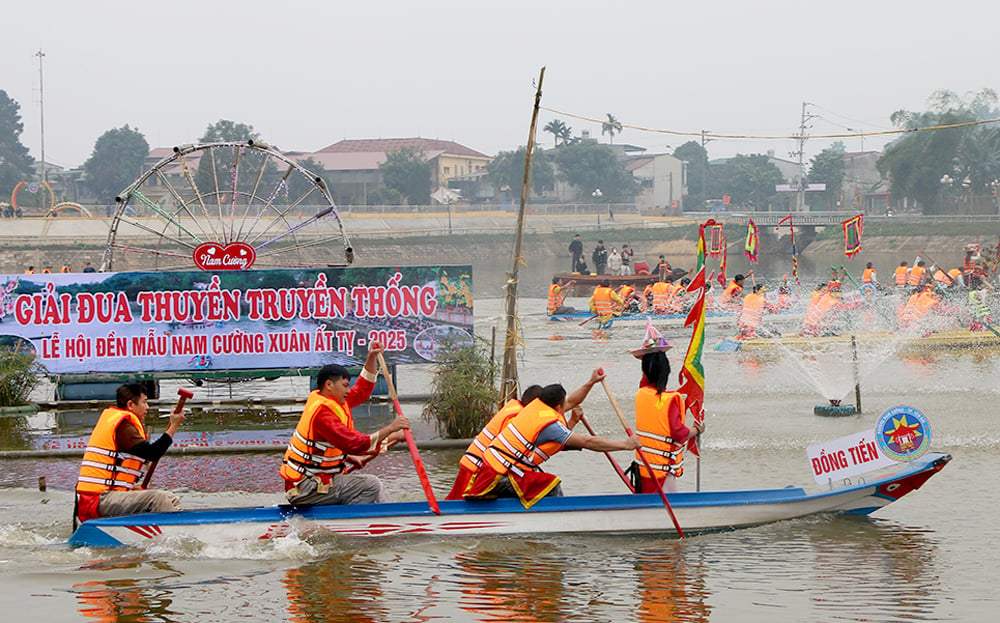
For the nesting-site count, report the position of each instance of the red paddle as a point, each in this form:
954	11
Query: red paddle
642	455
184	395
410	443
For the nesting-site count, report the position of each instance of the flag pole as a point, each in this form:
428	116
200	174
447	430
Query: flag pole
692	374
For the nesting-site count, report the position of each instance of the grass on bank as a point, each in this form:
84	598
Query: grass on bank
19	375
464	394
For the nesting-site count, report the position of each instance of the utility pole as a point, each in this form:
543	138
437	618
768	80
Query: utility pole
704	177
41	106
801	139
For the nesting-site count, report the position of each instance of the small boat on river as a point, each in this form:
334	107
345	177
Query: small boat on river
626	514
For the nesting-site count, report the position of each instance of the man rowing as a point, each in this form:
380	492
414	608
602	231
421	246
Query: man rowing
116	452
472	460
512	462
325	441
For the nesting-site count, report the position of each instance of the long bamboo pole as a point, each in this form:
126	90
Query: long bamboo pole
509	383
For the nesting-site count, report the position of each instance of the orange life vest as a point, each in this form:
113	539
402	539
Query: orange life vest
916	276
514	450
104	466
752	312
473	456
626	292
941	277
869	276
555	299
652	424
818	308
307	456
902	275
64	269
661	296
731	295
602	303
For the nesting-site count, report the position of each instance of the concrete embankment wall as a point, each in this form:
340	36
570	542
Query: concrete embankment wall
485	240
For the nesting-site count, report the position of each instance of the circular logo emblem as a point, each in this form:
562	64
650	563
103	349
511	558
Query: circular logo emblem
903	433
33	187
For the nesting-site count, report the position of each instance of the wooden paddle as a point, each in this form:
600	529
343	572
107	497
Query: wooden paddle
642	455
587	320
418	464
184	395
614	463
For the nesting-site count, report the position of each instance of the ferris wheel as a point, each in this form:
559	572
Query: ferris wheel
211	198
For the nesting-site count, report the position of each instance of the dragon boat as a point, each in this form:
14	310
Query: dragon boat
626	514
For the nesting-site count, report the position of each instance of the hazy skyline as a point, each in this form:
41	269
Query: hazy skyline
307	74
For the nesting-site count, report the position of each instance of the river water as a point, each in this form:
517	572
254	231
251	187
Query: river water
925	558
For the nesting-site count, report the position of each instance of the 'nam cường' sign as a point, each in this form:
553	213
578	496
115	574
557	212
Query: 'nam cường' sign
235	319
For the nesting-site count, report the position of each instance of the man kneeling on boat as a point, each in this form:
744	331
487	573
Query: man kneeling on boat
113	460
325	441
472	460
512	462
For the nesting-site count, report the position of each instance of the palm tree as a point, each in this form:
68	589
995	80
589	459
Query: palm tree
611	127
558	130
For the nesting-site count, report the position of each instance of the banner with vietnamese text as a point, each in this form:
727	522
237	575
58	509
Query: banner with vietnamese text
234	320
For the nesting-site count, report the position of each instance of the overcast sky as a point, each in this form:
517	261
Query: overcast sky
307	74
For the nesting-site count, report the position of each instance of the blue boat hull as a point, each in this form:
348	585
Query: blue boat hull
704	511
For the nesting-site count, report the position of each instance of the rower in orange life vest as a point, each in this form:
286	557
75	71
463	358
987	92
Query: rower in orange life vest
472	460
752	313
659	421
901	276
661	291
918	276
512	462
325	441
822	309
732	296
869	276
677	303
605	301
919	305
630	298
557	294
112	463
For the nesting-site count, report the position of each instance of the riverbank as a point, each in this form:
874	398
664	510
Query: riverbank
485	240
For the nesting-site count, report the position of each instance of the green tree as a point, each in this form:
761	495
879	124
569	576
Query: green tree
611	127
15	162
589	166
560	132
947	169
407	171
827	167
245	164
117	161
696	158
507	171
226	131
748	180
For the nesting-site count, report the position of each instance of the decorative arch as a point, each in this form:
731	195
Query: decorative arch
67	205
